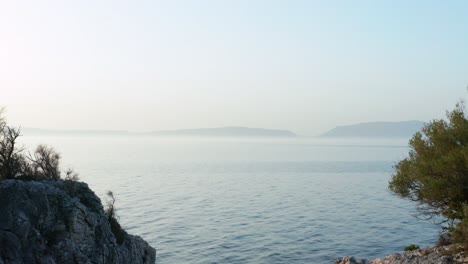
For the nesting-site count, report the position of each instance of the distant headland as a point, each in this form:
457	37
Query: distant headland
376	129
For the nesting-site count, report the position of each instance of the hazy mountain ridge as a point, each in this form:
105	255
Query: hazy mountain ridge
227	132
200	132
377	129
369	129
72	132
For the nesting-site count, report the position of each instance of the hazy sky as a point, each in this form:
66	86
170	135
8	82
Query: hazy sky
306	66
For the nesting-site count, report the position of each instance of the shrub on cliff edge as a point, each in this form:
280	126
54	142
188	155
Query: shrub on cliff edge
111	214
411	247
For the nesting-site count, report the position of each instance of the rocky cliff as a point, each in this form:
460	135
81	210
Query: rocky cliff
62	222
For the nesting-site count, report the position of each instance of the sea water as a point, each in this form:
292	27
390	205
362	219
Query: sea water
304	200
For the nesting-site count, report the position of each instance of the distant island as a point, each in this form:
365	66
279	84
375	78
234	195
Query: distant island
370	129
376	129
28	131
227	132
200	132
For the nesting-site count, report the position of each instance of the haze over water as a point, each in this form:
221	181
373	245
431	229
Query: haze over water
304	66
251	200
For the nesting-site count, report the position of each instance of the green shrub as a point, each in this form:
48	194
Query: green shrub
411	247
435	173
460	234
444	239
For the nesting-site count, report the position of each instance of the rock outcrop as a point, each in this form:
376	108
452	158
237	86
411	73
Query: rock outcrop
62	222
434	255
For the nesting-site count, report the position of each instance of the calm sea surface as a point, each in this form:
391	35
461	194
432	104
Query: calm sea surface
251	201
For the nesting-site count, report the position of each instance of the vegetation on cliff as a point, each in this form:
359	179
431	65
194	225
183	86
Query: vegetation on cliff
43	163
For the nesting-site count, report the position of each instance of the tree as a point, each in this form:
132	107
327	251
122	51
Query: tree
45	162
435	173
11	160
42	164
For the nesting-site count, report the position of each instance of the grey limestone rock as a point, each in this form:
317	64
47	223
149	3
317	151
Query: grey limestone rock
61	222
434	255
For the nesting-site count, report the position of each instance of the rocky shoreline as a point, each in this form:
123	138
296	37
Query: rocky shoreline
435	255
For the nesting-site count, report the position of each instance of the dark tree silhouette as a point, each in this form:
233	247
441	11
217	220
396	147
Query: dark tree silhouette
11	160
43	163
110	211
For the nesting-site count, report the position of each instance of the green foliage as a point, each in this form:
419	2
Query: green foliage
411	247
444	239
435	174
460	233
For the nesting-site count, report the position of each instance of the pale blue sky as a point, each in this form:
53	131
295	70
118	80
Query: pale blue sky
306	66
